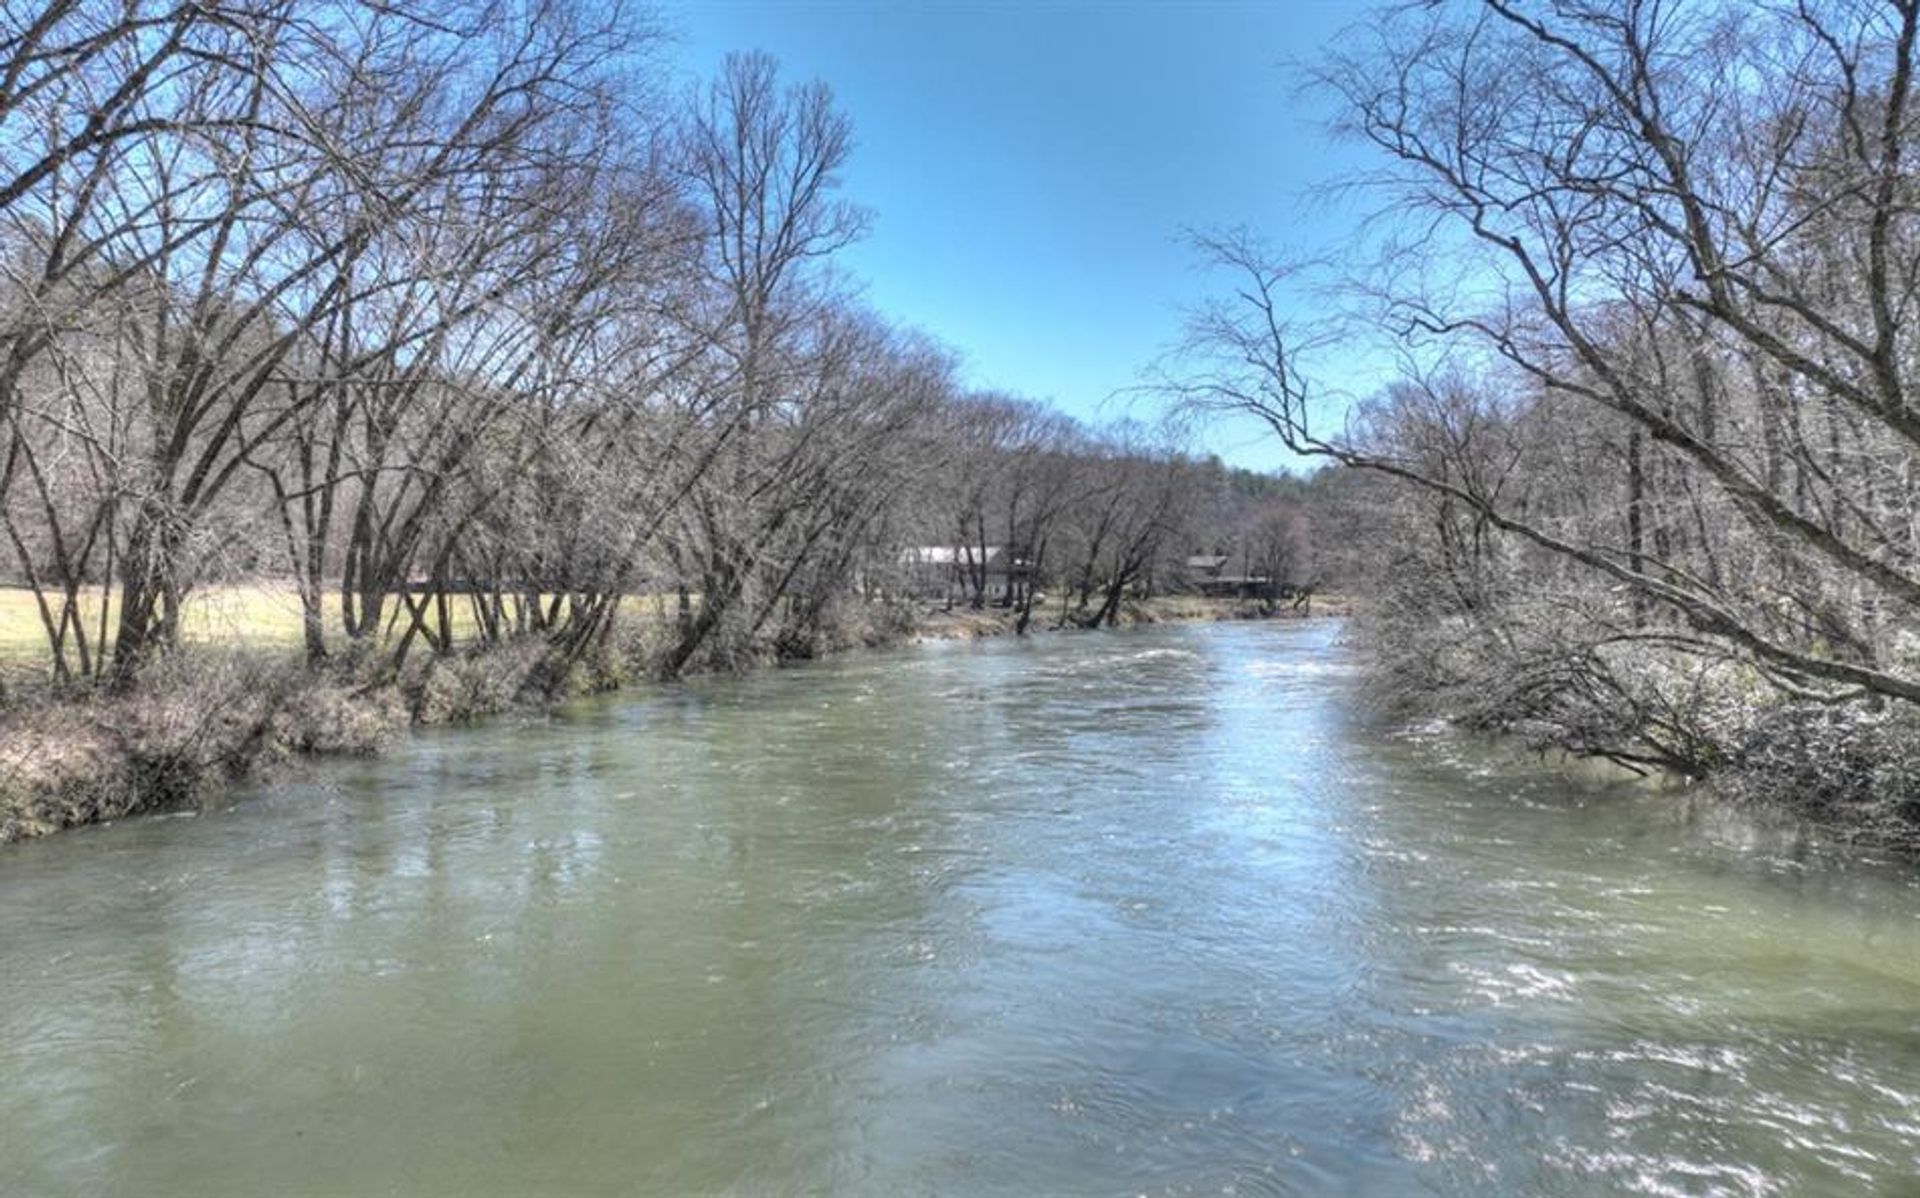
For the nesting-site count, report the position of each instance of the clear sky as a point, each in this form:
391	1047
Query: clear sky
1031	166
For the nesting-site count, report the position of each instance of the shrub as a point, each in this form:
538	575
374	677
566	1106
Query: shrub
334	715
468	686
1851	766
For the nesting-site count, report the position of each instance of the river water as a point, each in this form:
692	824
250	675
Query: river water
1142	913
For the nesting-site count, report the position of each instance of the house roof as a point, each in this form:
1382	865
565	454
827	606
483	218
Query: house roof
947	555
1206	561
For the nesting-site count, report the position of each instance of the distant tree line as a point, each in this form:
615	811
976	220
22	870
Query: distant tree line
1650	485
446	315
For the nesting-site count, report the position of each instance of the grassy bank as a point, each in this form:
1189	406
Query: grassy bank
236	703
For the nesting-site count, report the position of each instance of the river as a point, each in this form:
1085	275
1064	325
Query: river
1153	912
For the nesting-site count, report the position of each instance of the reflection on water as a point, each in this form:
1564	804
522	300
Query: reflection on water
1141	913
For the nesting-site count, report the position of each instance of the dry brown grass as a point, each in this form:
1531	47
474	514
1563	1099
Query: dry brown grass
255	616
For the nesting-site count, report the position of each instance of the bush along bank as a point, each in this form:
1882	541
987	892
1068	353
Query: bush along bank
1560	682
202	721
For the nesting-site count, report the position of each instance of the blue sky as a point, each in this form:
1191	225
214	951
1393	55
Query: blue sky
1031	166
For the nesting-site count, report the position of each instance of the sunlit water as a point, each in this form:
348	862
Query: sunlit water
1151	912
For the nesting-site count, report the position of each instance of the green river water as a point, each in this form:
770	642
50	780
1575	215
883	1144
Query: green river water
1154	912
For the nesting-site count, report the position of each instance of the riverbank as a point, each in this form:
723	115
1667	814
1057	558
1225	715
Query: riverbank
966	623
1850	769
206	719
